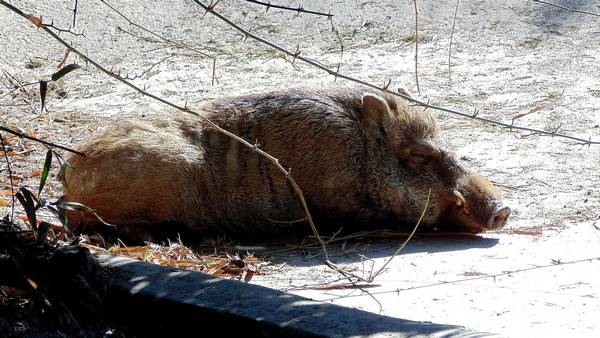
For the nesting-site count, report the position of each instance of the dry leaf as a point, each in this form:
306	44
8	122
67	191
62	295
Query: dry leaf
35	20
527	232
6	192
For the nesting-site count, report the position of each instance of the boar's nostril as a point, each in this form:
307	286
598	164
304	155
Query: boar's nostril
499	218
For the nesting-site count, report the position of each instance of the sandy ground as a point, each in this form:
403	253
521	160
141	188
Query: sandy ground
539	276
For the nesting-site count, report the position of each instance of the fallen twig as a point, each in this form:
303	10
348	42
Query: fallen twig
406	240
353	277
450	45
417	45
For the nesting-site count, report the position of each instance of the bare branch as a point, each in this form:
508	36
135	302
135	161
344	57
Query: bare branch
417	45
165	39
61	30
341	42
137	76
47	143
354	278
372	277
161	37
450	46
336	74
299	9
566	8
74	14
21	87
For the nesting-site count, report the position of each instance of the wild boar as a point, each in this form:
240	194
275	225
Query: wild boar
362	158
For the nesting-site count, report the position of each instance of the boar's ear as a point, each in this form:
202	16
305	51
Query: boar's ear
375	109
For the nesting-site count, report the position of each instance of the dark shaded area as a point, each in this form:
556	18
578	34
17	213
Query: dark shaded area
378	246
62	291
48	290
556	20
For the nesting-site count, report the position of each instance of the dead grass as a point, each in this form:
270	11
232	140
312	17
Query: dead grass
175	254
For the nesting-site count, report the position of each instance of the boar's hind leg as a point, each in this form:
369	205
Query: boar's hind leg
134	174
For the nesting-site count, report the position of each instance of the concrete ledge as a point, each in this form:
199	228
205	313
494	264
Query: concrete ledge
171	302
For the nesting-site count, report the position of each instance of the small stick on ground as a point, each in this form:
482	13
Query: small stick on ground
417	45
406	240
450	46
353	278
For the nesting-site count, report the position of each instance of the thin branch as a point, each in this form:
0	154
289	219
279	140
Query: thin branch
450	46
341	42
21	86
147	71
406	240
161	37
74	14
567	8
417	45
10	176
63	30
336	74
354	278
165	39
254	147
299	9
31	138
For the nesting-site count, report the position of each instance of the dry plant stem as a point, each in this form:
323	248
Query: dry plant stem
74	14
147	71
336	74
417	45
255	148
567	8
450	45
22	86
298	9
164	39
353	278
10	178
31	138
406	240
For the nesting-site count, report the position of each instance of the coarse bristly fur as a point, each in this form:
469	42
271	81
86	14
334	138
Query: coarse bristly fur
361	157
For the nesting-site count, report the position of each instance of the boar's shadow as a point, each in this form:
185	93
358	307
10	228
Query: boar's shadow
370	247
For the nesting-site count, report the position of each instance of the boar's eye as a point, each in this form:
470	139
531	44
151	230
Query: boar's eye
417	153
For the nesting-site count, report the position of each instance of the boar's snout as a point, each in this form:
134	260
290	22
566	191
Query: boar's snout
475	205
498	219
